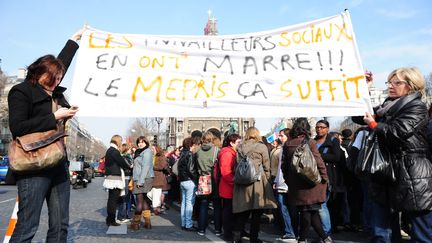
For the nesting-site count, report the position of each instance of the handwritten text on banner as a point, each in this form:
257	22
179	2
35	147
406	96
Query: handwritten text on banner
309	69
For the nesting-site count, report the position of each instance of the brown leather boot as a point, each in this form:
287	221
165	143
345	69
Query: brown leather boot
135	223
146	215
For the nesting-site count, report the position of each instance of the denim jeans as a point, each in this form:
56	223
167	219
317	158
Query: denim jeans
281	201
421	226
32	191
203	213
122	212
325	216
124	206
382	223
367	215
188	189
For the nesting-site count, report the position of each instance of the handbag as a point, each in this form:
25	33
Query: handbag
305	165
204	185
245	172
36	151
376	161
131	184
360	166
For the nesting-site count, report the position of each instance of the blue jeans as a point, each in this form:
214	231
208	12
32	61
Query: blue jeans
203	213
367	215
382	222
122	212
325	216
32	191
281	201
187	189
124	206
421	226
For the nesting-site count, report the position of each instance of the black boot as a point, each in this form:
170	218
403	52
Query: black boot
237	237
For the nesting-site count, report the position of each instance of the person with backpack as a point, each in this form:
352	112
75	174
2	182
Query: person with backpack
252	198
226	162
306	197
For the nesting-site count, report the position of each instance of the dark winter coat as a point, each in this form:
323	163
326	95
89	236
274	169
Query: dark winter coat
299	192
114	161
331	155
187	166
403	130
30	108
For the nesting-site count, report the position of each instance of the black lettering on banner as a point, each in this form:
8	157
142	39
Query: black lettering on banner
268	60
248	47
111	86
252	64
226	58
285	60
273	45
256	90
119	61
300	62
99	61
86	88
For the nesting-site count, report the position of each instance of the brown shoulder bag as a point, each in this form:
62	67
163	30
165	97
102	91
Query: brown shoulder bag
36	151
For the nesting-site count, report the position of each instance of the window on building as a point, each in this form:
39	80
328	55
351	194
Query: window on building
180	126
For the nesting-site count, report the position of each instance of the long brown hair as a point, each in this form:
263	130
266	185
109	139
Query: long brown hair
46	65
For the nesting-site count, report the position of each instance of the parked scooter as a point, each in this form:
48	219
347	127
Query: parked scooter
79	180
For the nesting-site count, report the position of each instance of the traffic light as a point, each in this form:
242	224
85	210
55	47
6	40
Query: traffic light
155	139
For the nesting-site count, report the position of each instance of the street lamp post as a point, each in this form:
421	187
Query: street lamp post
158	121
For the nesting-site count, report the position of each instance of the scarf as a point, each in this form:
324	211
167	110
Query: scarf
382	110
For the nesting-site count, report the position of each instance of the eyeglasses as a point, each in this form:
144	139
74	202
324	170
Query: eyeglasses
396	83
320	127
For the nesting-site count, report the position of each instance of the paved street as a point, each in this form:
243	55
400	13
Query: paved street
87	221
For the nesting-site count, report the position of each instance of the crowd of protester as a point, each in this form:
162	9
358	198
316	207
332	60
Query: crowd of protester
141	177
342	201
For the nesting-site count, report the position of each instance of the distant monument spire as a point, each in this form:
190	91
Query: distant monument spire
211	28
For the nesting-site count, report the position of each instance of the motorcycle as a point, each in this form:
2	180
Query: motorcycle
78	180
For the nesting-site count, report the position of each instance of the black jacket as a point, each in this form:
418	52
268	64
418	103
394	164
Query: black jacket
114	161
331	154
30	107
187	166
403	131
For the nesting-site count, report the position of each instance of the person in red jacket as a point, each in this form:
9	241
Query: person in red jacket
227	160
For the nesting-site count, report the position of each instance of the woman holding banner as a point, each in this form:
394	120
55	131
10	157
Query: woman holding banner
401	125
38	105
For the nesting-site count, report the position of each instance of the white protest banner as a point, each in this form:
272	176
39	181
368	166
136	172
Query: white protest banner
309	69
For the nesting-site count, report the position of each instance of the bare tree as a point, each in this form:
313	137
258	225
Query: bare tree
3	79
142	127
4	110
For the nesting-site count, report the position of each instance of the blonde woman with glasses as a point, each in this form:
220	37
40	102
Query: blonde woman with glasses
401	124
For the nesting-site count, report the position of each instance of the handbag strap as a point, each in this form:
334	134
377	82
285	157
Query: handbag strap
214	154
